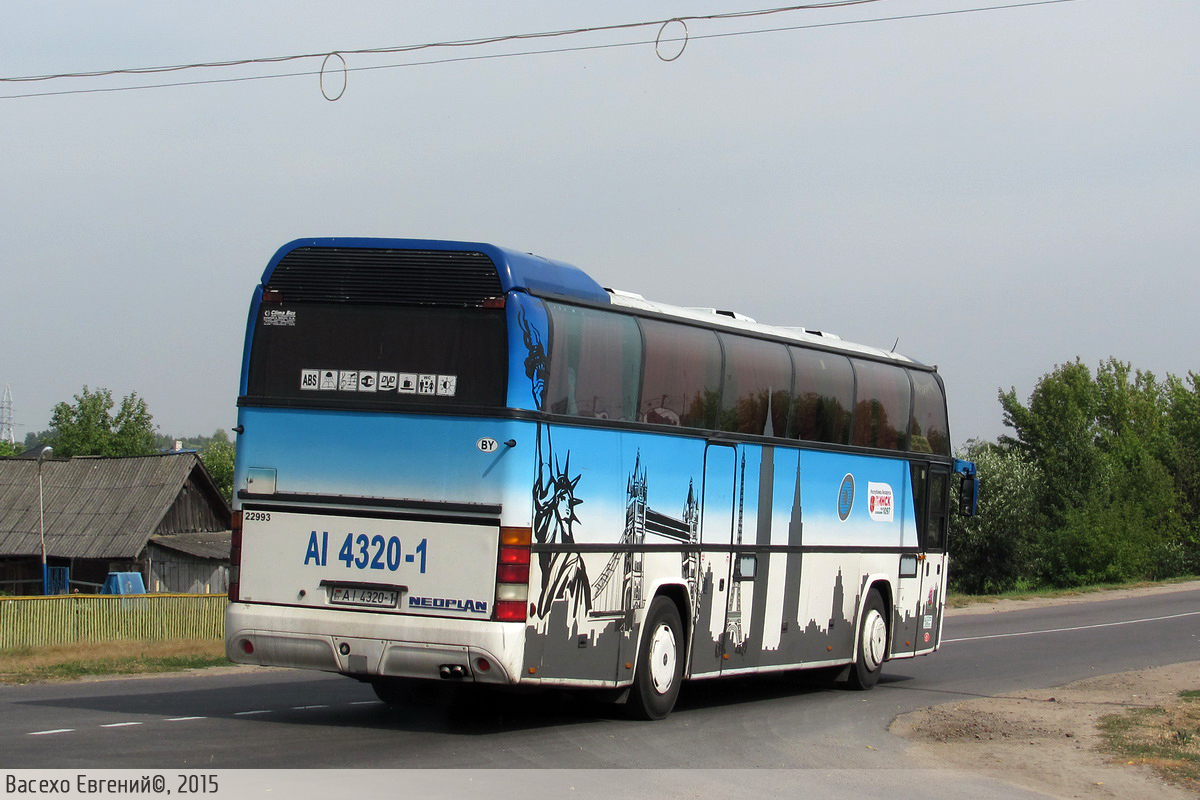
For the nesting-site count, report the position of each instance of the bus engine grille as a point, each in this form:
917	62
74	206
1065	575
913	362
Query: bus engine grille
402	277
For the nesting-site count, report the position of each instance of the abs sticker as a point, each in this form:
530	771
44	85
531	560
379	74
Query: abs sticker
879	501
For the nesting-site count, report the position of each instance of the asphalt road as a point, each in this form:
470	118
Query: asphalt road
728	737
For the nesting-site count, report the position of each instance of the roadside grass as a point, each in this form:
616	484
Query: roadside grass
1165	738
53	663
954	600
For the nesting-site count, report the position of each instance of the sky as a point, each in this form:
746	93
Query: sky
994	192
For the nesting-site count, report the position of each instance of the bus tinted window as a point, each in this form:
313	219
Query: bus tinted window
822	397
682	376
351	355
881	407
758	377
930	430
595	363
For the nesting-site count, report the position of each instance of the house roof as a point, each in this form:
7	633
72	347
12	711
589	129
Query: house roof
97	507
201	545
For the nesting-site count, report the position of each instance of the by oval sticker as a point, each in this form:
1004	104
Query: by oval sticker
487	445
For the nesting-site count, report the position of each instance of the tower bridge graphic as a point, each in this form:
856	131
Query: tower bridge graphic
618	591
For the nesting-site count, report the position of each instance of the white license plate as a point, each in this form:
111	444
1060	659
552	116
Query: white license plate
358	596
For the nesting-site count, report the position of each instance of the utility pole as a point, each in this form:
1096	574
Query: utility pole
6	416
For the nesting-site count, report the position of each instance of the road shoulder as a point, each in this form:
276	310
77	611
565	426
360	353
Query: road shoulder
1046	740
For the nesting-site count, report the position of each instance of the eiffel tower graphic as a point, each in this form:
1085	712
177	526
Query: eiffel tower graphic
735	636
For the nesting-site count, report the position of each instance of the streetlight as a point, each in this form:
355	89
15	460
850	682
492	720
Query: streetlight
43	454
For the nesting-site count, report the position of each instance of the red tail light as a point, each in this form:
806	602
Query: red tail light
235	557
510	611
512	574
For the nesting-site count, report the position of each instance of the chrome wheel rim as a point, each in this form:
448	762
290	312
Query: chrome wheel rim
874	640
663	657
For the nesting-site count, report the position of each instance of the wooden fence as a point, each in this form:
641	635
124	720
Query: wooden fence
67	619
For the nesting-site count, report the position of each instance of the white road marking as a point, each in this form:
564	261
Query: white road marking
1075	628
188	719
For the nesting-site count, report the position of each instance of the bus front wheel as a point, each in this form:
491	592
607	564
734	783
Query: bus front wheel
660	663
871	649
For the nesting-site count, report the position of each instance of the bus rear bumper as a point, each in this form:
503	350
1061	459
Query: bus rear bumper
365	644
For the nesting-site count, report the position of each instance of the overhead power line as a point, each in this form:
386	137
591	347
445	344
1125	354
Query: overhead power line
484	41
409	48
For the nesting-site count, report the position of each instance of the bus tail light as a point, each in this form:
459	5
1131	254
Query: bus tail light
512	574
235	557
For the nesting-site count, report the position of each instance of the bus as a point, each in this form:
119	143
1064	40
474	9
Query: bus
462	464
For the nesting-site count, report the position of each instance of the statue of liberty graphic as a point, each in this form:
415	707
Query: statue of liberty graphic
564	575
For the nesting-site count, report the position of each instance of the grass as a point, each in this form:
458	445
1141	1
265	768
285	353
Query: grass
1165	738
954	600
72	662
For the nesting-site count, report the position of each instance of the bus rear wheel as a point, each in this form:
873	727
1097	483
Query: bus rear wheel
872	644
660	663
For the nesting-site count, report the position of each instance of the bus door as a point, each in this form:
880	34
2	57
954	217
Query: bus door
716	534
922	584
933	578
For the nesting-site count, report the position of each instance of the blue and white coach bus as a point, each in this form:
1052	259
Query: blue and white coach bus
461	463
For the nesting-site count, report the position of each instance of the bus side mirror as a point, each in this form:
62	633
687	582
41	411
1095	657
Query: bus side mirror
968	496
968	488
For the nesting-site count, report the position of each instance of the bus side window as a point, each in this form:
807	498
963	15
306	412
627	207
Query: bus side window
939	504
681	382
930	430
758	378
920	487
881	408
595	363
822	396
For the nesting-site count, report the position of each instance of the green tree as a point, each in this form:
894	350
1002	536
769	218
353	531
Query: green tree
1109	490
1058	432
89	428
217	456
9	448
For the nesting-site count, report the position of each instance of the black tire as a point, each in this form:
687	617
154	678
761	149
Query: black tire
871	644
659	670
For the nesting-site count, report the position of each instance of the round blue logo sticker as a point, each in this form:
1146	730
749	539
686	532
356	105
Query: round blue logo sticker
846	496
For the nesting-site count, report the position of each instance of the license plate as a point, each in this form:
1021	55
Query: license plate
358	596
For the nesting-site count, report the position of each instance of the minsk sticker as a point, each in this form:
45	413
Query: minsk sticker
310	379
408	383
329	380
879	501
447	385
368	381
388	381
348	380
